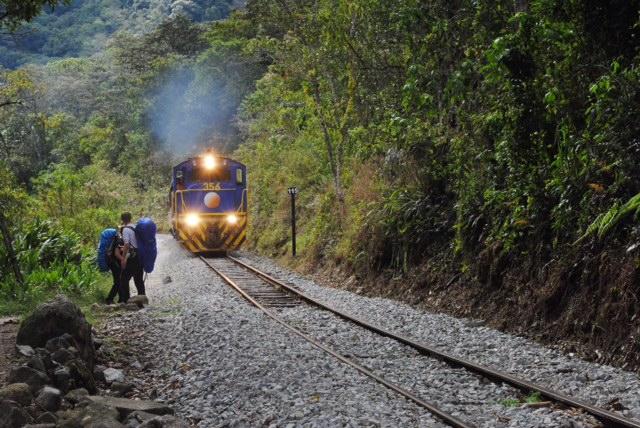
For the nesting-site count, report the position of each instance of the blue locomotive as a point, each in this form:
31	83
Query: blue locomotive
208	202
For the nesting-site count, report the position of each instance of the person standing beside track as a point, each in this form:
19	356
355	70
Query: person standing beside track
130	263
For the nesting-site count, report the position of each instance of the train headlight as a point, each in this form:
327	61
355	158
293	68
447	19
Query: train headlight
232	219
192	219
209	162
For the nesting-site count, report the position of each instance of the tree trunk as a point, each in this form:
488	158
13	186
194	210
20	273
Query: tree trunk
334	161
8	244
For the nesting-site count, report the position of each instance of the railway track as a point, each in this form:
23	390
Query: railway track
270	295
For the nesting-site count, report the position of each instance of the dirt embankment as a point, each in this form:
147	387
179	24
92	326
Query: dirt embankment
587	304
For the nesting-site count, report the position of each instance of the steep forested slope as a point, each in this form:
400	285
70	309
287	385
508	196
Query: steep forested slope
488	150
83	27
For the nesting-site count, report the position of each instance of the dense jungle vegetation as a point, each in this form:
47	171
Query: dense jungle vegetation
464	139
422	128
81	140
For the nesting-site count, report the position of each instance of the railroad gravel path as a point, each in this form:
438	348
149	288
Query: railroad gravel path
605	386
220	362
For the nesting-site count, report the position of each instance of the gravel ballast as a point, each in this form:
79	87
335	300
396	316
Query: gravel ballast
220	362
597	384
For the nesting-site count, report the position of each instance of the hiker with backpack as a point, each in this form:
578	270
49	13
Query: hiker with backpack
109	257
127	255
131	263
114	257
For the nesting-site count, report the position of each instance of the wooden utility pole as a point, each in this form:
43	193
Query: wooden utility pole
8	245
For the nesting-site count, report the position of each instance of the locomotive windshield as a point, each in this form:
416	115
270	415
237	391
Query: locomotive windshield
201	174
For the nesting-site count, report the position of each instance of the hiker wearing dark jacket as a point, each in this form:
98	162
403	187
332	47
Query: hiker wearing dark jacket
114	259
130	264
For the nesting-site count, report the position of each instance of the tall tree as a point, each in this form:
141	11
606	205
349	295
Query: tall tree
15	12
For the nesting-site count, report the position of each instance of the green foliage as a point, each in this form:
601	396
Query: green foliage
487	126
52	261
534	397
82	28
605	222
15	12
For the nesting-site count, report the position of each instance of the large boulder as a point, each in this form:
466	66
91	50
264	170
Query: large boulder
54	319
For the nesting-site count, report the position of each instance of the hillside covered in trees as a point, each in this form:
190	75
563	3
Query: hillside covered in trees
84	27
484	152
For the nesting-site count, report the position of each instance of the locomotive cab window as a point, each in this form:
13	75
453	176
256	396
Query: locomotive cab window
220	173
239	176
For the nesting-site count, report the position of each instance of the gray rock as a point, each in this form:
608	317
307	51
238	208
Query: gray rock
113	375
49	399
92	415
46	418
12	415
62	355
166	421
32	377
62	378
25	350
39	425
56	343
98	373
110	423
76	395
126	406
54	319
134	419
121	388
18	392
45	356
101	412
37	363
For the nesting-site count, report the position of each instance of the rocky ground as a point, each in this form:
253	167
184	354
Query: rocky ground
59	375
220	362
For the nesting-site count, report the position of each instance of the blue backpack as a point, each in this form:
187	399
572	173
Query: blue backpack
147	249
106	240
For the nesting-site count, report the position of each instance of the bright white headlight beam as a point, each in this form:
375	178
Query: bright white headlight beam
209	162
192	219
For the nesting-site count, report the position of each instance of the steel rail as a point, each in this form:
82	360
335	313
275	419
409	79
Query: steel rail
440	414
608	418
